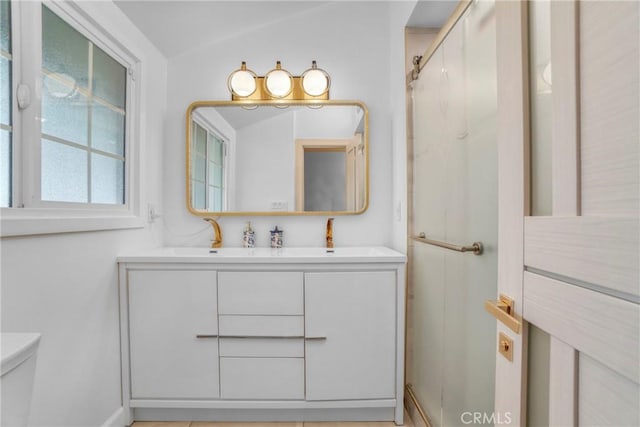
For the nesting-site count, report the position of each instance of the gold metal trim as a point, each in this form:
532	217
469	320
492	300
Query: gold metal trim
409	390
504	311
475	247
505	346
278	103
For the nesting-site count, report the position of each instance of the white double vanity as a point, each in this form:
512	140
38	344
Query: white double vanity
262	334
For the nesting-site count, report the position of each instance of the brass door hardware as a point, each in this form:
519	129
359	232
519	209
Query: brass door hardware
475	247
505	346
503	310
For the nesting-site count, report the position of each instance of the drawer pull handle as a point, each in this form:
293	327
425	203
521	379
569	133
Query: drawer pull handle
315	338
269	337
206	336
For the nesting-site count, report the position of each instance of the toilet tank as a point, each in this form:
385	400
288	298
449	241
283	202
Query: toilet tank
16	383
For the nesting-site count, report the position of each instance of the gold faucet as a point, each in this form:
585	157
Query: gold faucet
217	240
329	233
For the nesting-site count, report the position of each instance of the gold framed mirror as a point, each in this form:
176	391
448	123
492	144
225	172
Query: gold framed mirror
277	158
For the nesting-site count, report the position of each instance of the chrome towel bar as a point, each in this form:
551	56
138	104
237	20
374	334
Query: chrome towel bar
475	247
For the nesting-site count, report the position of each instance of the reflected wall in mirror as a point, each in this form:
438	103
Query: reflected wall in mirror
277	158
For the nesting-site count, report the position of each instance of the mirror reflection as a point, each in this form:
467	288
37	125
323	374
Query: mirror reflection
275	158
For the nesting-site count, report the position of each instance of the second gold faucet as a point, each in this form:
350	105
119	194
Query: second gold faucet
329	234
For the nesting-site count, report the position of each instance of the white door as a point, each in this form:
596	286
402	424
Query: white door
572	269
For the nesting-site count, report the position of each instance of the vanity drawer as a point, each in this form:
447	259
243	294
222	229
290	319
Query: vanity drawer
261	378
269	326
262	347
260	292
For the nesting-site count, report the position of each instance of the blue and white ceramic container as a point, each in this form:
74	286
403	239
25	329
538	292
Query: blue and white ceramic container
276	238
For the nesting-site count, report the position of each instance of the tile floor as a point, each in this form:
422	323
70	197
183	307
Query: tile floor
407	423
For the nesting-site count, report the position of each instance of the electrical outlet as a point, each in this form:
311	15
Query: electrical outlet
279	205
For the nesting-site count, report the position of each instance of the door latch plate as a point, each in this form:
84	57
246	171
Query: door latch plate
505	346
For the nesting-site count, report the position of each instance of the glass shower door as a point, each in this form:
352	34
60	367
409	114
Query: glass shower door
451	352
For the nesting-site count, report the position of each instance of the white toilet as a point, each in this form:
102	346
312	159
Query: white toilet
18	370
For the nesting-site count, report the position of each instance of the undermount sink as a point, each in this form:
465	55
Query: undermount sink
293	255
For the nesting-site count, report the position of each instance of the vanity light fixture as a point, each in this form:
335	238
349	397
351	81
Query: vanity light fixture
242	82
279	84
315	81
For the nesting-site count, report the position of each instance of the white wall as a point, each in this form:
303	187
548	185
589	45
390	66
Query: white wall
348	39
265	164
399	15
65	286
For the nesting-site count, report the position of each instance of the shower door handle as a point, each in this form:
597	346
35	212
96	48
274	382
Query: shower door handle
503	310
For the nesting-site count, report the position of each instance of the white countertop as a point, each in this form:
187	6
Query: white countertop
199	255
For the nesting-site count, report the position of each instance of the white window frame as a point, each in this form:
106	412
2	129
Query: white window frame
29	214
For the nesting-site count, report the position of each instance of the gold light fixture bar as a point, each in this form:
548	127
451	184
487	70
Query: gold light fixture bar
296	94
261	93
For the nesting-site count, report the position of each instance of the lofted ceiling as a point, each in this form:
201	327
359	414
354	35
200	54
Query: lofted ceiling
175	26
431	13
178	26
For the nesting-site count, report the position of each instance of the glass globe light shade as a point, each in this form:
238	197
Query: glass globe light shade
242	82
278	82
315	81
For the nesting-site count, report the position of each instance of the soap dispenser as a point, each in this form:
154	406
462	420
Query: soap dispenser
248	236
276	238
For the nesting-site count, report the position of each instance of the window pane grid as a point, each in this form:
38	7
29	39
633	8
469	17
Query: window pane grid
66	82
208	184
73	77
81	147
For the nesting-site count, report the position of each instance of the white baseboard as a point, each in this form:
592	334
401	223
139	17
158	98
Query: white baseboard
116	419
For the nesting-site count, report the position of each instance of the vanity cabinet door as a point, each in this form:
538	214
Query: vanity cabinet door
350	322
167	309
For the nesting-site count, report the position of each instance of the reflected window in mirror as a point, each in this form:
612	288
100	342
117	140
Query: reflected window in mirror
277	158
208	157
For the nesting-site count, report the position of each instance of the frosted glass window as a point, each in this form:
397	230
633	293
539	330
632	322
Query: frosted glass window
5	168
64	173
207	169
65	118
217	199
107	129
6	101
84	111
107	180
109	78
64	50
541	92
5	25
5	90
200	168
198	196
201	138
